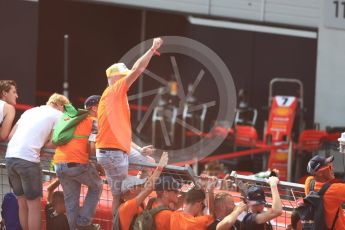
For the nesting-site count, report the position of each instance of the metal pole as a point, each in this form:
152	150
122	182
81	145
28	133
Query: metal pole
290	152
142	49
65	85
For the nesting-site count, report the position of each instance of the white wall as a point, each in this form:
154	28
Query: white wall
288	12
330	77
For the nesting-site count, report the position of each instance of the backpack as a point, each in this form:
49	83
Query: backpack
65	127
146	221
10	212
311	212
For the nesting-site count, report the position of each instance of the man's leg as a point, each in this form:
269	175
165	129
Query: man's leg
115	165
94	183
16	185
31	177
71	189
116	192
137	157
26	180
34	211
23	212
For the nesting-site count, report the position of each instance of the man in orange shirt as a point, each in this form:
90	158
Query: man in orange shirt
73	169
114	136
167	190
189	218
321	170
134	194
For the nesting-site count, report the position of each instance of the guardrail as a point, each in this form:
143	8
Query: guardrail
289	192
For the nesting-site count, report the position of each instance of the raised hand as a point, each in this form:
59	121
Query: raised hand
157	42
240	207
207	183
211	183
147	150
164	160
273	181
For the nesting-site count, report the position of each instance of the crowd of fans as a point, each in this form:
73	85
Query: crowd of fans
106	134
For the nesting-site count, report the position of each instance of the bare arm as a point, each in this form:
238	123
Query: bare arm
92	139
49	144
92	149
147	150
9	114
51	187
92	161
230	219
210	193
150	184
136	147
141	64
276	209
14	129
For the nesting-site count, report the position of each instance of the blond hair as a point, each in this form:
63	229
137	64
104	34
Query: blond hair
220	198
57	99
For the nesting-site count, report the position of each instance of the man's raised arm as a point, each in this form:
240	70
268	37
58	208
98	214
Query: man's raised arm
141	64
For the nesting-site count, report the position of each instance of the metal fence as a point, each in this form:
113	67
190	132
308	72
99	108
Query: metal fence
289	192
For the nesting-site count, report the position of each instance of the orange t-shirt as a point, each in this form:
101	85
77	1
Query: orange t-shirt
183	221
333	199
127	212
76	150
114	125
162	219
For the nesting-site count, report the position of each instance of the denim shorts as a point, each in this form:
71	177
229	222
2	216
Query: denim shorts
25	177
115	165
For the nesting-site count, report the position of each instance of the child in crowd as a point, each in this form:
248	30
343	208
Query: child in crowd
55	211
